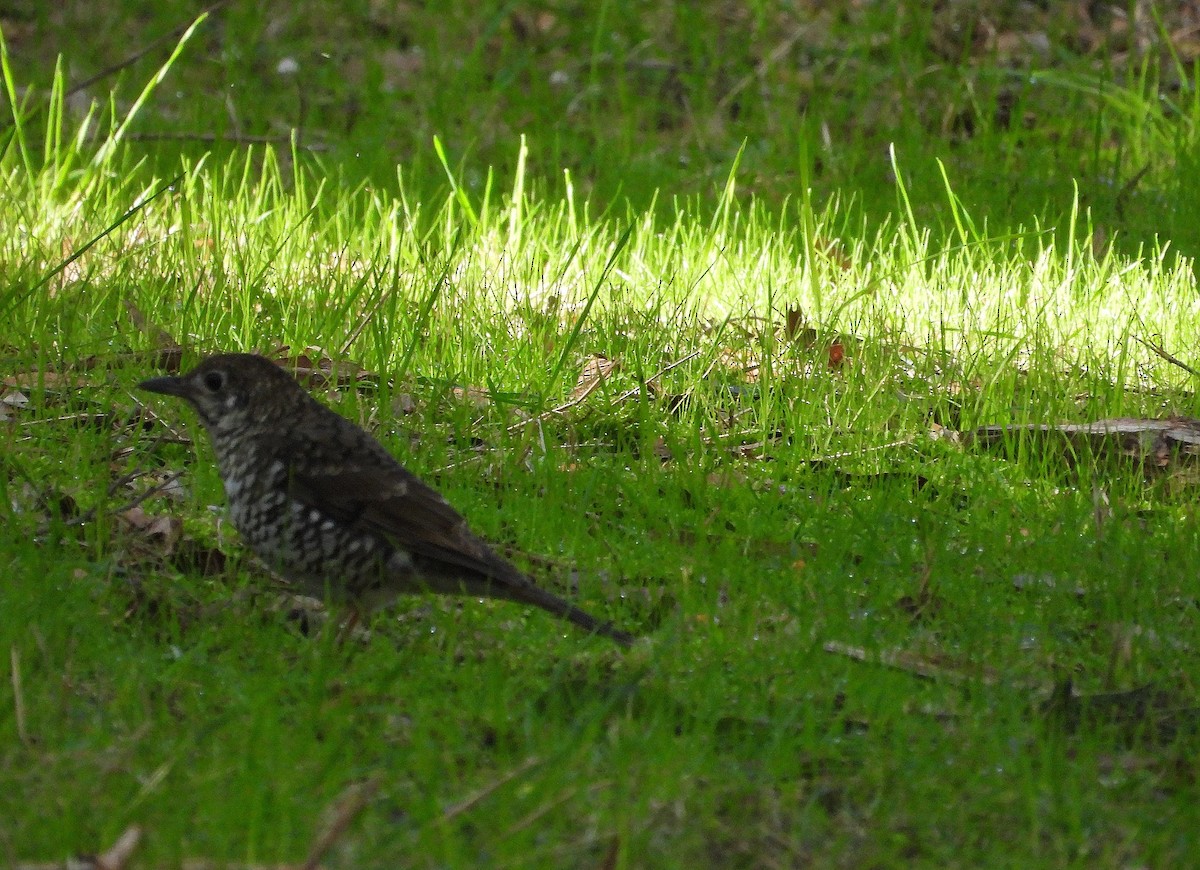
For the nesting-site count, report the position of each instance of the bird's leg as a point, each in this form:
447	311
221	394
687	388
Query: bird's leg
350	622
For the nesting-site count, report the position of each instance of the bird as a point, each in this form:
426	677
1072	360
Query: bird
325	505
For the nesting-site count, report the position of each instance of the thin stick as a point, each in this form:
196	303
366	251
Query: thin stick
907	663
773	58
629	394
349	805
1173	360
143	51
89	515
18	696
233	139
471	800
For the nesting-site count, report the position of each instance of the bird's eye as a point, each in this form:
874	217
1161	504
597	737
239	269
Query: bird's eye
213	381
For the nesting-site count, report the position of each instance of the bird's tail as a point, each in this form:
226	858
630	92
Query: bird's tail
507	582
539	597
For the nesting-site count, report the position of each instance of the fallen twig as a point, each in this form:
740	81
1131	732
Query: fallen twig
908	662
348	806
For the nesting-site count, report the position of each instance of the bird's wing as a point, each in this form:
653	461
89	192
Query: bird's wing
394	504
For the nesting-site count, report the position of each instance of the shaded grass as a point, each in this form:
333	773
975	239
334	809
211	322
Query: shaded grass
736	737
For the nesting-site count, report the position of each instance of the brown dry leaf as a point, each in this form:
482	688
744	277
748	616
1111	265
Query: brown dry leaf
591	376
1022	46
531	25
797	331
401	67
834	251
403	404
795	326
169	352
729	479
314	368
72	273
162	532
1187	46
476	397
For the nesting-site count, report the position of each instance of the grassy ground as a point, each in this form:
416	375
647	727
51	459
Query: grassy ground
820	250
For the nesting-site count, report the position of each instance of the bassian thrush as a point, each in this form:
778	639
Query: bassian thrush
321	502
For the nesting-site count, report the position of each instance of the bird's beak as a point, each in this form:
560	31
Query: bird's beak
167	386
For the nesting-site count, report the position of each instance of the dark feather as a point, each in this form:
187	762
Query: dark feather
390	502
395	505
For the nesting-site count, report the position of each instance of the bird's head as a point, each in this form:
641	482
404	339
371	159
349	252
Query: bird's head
232	392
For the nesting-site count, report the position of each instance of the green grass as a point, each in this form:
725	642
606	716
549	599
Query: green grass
727	491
